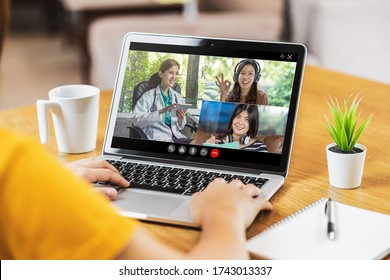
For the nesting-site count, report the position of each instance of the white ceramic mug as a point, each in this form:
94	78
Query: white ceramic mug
75	112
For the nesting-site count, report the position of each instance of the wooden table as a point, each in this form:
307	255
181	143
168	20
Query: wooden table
307	180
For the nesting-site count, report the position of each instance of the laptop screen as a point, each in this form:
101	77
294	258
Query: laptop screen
203	100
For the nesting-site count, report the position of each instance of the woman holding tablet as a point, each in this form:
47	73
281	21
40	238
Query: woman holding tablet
152	111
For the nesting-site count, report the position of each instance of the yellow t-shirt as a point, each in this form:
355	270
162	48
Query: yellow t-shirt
48	213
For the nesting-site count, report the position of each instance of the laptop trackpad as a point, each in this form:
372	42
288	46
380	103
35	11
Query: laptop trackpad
148	203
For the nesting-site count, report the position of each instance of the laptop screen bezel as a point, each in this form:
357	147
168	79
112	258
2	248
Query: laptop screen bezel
273	163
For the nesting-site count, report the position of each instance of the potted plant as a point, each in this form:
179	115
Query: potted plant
345	156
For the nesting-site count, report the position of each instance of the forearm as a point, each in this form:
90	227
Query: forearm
220	239
224	210
144	119
223	96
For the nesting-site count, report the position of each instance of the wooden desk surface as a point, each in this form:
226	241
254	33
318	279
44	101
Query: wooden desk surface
307	180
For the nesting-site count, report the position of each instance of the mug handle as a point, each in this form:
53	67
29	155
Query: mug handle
43	107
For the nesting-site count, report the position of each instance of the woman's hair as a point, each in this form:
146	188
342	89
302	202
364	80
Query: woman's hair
252	95
253	115
155	79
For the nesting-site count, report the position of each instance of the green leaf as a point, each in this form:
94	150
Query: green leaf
360	130
345	121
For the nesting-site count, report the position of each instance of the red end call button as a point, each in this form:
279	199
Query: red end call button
214	153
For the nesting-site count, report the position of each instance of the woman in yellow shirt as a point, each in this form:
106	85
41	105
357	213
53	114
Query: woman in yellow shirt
48	213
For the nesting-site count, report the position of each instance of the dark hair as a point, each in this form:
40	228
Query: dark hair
253	114
236	93
155	79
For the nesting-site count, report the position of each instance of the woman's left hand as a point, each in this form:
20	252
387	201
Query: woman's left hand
94	170
180	115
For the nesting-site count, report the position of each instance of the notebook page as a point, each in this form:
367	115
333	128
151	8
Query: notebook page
359	234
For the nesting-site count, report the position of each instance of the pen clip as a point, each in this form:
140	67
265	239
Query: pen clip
326	207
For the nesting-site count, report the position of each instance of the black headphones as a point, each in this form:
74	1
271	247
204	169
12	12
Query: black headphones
245	62
244	140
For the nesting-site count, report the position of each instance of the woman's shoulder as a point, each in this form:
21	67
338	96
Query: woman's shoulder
150	91
175	92
262	97
257	145
146	97
261	93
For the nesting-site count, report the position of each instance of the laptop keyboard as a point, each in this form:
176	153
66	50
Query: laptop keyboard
172	180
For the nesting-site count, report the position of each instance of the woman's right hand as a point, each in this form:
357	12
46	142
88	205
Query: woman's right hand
166	109
224	86
211	140
235	200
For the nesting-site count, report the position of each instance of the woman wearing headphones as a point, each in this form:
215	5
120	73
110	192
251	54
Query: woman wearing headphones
246	76
151	112
242	128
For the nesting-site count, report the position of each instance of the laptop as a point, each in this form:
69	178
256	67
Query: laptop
165	171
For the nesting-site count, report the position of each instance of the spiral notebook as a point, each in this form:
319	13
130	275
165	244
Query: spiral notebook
359	234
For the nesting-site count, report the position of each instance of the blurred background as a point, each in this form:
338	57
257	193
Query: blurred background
47	43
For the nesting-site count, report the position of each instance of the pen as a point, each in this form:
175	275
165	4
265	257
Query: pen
330	215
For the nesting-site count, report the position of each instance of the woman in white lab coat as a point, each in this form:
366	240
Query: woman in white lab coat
151	112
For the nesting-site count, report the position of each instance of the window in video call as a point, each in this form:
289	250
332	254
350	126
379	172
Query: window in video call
155	80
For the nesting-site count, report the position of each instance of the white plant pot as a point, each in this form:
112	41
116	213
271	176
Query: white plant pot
345	170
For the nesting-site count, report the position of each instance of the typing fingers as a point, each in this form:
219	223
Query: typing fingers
255	193
106	175
250	189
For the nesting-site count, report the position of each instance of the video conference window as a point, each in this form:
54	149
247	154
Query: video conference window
232	103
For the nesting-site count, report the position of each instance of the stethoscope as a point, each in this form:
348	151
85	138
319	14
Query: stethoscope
154	107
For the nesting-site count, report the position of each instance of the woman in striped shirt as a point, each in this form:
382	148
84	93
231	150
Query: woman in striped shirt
242	128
